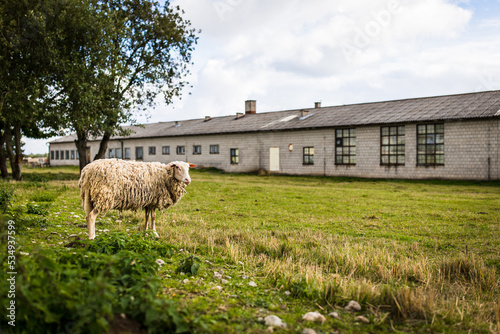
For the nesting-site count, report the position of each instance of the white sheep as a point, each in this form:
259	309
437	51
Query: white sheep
129	185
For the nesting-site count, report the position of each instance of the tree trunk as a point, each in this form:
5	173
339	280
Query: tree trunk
103	146
3	157
16	173
81	146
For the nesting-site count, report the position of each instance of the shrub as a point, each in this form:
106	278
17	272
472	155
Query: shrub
35	177
139	242
30	221
82	293
189	265
36	209
6	197
44	196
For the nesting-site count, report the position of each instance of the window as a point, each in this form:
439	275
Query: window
62	155
308	156
430	141
165	150
345	147
197	149
139	153
152	150
181	150
111	153
72	154
118	153
392	145
77	155
235	158
67	154
52	155
127	153
214	149
57	155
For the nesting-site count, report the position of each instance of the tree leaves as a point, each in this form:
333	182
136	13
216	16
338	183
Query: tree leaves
85	66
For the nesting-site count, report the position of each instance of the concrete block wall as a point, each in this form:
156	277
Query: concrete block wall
471	152
63	147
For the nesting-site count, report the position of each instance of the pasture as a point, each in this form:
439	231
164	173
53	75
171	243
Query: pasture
419	256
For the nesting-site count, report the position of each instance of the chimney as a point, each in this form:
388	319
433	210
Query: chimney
250	107
239	115
317	104
304	113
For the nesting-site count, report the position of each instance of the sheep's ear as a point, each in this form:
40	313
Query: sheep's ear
192	165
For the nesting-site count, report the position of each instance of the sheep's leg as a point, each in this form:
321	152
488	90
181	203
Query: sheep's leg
147	218
153	218
90	215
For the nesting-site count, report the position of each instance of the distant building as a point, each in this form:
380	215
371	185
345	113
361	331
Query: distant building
445	137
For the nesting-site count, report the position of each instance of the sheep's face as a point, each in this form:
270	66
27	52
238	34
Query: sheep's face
181	171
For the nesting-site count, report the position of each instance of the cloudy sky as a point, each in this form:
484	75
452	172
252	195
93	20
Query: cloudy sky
288	54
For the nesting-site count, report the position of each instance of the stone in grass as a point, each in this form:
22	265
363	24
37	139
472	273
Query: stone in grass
353	306
314	316
224	281
218	287
272	320
362	319
217	275
308	331
252	283
160	262
334	315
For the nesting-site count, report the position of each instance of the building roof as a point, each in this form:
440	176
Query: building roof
439	108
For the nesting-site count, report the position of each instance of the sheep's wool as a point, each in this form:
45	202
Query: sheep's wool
130	185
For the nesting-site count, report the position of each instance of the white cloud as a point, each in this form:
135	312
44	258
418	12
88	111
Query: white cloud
287	51
490	23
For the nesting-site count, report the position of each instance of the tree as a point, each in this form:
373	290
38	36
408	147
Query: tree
84	66
115	56
24	62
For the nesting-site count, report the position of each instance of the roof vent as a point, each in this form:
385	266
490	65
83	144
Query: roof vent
177	123
304	113
208	118
317	104
239	115
250	107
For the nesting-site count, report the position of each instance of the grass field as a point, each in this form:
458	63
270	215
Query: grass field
419	256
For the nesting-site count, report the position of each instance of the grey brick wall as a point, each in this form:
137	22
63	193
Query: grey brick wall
471	152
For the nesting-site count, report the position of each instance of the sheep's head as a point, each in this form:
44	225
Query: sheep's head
181	171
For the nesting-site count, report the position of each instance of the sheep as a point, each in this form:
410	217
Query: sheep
129	185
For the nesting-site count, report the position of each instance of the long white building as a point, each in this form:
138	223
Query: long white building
445	137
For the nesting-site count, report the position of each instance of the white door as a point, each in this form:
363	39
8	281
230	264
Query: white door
274	159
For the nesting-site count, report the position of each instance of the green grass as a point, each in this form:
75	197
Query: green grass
420	256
